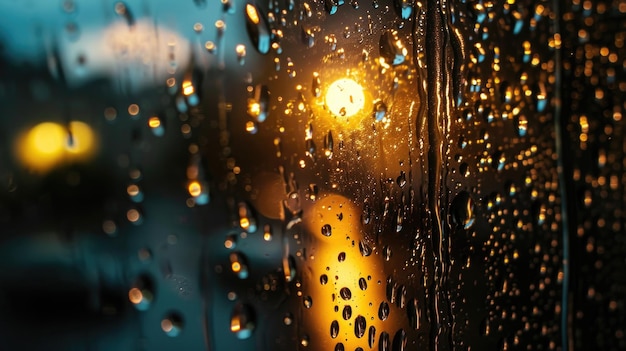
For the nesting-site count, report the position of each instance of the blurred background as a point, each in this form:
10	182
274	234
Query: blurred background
312	175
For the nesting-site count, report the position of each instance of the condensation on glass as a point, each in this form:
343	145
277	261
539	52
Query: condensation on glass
312	175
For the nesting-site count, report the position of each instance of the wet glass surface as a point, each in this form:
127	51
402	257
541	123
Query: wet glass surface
299	175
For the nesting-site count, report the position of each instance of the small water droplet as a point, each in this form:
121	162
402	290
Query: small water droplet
172	324
323	279
334	329
307	301
326	230
341	257
239	265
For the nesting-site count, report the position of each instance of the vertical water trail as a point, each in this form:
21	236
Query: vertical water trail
438	110
563	169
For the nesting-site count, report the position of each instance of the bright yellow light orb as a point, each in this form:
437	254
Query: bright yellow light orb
345	97
48	144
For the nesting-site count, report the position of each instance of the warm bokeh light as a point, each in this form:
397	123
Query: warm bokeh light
337	236
194	188
345	97
48	145
253	15
188	88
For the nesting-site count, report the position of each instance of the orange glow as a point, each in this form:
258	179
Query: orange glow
235	325
135	295
48	145
345	274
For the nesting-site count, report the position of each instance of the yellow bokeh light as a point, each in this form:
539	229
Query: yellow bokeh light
48	145
188	88
345	97
236	267
195	189
252	13
154	122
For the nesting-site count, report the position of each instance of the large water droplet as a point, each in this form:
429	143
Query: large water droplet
399	340
258	29
242	321
371	336
345	293
383	311
172	324
326	230
462	210
362	283
323	279
392	49
383	342
359	326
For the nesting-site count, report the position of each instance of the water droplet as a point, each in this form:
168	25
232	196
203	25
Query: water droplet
326	230
371	336
258	29
328	145
383	342
307	301
387	253
392	49
242	321
239	265
347	312
289	268
323	279
404	8
247	221
240	50
141	294
345	293
362	283
414	314
341	257
359	326
258	106
462	210
334	329
331	6
401	296
308	36
399	340
365	249
172	324
383	311
339	347
380	110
